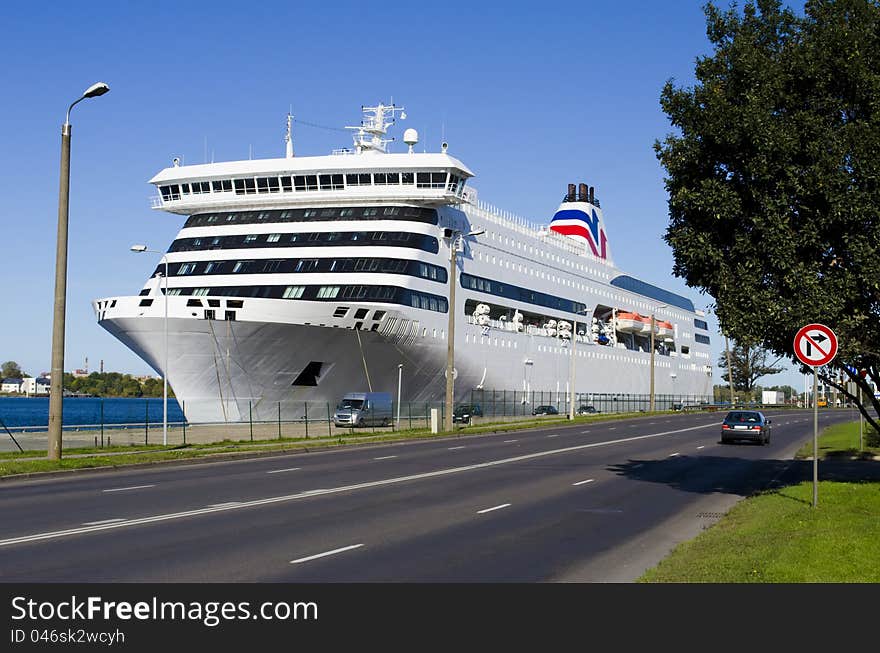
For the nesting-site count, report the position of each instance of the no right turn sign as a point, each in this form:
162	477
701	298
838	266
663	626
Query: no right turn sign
815	345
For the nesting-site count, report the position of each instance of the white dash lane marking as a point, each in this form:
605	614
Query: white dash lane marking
103	521
674	454
384	457
587	431
589	480
613	428
454	448
507	441
278	471
701	446
555	435
123	489
325	554
503	505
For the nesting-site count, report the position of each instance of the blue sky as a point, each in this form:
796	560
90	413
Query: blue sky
529	96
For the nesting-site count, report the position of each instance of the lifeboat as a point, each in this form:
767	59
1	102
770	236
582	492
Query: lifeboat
665	330
629	322
646	325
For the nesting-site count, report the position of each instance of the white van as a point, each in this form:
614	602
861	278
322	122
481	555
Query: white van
363	409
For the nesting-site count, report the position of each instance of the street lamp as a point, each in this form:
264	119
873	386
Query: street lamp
139	249
653	322
56	383
571	393
454	237
399	383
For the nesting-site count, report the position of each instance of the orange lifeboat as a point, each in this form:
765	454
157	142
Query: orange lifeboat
628	322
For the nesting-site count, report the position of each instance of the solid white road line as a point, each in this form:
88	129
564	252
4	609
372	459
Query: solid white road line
384	457
589	480
503	505
103	521
278	471
225	504
326	553
123	489
345	488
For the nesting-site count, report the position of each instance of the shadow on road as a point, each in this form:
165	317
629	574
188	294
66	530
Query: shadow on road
742	476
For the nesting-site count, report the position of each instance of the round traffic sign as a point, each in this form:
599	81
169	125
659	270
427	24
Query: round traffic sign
815	345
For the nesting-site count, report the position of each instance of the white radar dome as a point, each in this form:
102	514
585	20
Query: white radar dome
410	136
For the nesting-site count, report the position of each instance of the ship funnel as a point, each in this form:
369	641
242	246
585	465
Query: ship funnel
592	195
582	193
579	218
570	196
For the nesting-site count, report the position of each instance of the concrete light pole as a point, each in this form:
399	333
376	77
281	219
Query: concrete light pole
56	383
454	237
139	249
653	324
571	392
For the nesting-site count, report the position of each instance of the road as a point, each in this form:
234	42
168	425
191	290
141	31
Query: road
596	502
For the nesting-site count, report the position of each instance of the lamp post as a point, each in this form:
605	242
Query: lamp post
571	393
139	249
454	237
653	322
56	383
399	384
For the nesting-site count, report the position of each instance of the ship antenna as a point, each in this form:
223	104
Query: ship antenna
288	137
368	136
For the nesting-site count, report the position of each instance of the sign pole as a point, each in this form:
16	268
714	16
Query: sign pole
815	437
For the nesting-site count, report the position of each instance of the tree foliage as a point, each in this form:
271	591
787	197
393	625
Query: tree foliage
748	363
11	370
774	177
114	384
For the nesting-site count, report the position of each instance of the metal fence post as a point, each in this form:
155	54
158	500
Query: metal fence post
102	422
184	422
329	431
279	420
146	421
306	417
251	419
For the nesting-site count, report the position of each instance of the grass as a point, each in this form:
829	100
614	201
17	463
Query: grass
843	440
12	463
779	537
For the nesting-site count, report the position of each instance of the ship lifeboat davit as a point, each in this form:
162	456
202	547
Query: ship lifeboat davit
629	322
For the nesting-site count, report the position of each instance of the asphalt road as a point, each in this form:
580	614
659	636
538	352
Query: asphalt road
583	503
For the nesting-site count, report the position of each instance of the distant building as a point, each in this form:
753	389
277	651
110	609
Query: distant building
35	386
11	385
80	373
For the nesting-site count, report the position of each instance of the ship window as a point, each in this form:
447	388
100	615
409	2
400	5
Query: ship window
175	291
186	268
331	182
358	179
360	313
239	186
341	311
222	185
328	292
293	292
146	302
306	265
199	292
699	337
407	178
210	314
199	187
193	302
250	238
234	303
230	315
271	266
214	302
184	189
242	266
685	350
273	238
391	210
287	183
310	213
328	213
386	178
370	211
345	213
378	315
305	182
452	184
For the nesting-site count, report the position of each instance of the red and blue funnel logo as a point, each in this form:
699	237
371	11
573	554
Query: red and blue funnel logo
580	224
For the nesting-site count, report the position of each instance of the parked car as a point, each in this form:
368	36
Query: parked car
465	412
586	410
745	425
545	410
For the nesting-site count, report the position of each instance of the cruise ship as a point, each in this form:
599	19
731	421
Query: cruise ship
301	278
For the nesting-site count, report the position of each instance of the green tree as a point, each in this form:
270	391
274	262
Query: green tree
774	178
11	370
749	363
